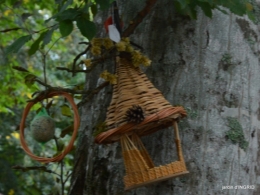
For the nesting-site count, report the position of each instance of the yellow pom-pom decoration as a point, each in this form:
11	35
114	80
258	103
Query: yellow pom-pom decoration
136	58
96	50
87	62
129	49
126	40
107	43
145	61
96	42
121	46
111	78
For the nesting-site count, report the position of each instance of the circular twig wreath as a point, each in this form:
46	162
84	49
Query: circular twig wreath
74	134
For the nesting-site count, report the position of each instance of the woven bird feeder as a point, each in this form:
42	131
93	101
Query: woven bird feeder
134	90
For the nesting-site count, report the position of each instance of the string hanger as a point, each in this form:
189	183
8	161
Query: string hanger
115	17
113	24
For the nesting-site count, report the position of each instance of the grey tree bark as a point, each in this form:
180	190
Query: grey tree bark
211	67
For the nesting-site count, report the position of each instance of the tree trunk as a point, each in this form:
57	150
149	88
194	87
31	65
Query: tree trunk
209	66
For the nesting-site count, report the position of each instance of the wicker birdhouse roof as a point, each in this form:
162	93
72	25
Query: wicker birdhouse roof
134	88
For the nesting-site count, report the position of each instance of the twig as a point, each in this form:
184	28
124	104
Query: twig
139	18
84	42
53	45
61	177
67	178
89	93
138	46
69	70
44	68
10	29
42	168
51	88
93	64
92	93
76	58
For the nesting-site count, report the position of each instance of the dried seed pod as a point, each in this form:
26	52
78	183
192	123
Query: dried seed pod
135	114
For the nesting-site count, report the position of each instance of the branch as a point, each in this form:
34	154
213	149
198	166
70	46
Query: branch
40	168
76	58
10	29
69	70
92	93
139	18
69	175
93	64
89	93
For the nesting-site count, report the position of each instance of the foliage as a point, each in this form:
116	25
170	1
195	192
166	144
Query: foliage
238	7
235	134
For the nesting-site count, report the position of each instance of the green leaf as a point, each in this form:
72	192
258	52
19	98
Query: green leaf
104	4
86	27
68	14
211	2
93	8
19	68
223	11
192	12
66	27
15	46
69	2
207	9
65	110
35	46
48	36
251	16
183	3
29	79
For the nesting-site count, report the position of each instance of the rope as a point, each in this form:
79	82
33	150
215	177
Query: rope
74	135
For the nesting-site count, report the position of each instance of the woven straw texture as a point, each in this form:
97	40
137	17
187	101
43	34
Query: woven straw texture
140	169
134	88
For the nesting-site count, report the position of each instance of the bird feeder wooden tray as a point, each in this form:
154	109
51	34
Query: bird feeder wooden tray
134	88
140	169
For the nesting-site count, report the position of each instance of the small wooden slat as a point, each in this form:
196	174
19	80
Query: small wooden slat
140	169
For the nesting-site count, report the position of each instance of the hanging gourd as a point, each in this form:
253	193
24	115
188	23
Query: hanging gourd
42	126
137	109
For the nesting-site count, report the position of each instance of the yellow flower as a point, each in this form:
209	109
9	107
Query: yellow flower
96	42
126	40
96	50
107	43
136	58
8	12
249	7
121	46
145	61
87	62
111	78
11	192
15	135
104	74
129	48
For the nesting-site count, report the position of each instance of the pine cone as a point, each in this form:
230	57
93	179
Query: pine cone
135	114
